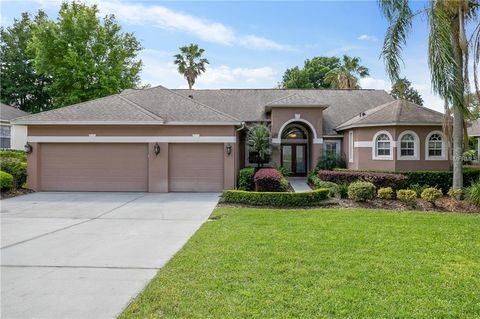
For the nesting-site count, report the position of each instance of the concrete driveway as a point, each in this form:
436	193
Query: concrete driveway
86	255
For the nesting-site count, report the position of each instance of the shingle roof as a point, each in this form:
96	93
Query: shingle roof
295	99
249	104
474	129
398	112
8	112
149	106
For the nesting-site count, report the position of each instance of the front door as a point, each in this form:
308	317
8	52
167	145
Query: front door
294	158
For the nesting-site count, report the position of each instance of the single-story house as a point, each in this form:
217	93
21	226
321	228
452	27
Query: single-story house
162	140
11	137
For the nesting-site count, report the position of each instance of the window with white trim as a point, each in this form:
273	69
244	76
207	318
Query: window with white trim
407	146
382	145
435	145
5	136
350	146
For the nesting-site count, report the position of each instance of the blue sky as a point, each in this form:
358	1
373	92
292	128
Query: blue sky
250	44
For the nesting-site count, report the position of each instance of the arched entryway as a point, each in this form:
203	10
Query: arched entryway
295	141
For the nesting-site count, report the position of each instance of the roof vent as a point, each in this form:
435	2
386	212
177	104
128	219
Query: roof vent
190	96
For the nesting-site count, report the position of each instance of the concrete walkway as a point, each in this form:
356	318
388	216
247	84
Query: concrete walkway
299	184
86	255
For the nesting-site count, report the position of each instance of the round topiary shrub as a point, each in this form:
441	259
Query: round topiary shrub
431	194
6	181
385	193
407	195
361	191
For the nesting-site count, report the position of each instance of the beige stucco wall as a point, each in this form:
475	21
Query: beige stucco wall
157	165
281	115
363	155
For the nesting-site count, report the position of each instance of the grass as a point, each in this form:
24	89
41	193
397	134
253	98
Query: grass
323	263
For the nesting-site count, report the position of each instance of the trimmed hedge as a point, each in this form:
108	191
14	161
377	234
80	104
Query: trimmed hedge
16	168
6	181
20	155
440	179
378	179
268	180
245	179
277	199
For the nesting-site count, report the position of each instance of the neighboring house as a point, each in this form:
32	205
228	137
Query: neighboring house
162	140
11	138
474	131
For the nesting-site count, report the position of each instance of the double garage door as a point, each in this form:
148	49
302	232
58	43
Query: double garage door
124	167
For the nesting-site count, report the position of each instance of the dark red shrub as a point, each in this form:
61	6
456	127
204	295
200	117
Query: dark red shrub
394	181
267	180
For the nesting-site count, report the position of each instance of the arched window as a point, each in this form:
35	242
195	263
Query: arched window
383	146
295	133
435	146
409	144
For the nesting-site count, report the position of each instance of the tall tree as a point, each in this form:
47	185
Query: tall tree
312	75
21	85
448	55
190	63
347	74
84	56
402	89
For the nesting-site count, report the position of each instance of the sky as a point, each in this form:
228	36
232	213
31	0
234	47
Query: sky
251	44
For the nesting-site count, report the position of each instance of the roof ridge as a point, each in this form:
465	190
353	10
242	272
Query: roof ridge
199	103
141	108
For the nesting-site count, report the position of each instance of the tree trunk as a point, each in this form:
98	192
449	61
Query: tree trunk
457	148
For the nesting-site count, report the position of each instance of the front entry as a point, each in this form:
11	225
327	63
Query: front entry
294	158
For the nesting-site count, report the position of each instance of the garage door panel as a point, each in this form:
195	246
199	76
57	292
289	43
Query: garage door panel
195	167
94	167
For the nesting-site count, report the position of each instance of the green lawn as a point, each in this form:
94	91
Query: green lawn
265	263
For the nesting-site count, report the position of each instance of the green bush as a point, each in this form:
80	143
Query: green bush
473	193
385	193
455	193
341	190
361	191
418	188
440	179
278	199
6	181
284	171
318	183
407	195
283	185
330	162
20	155
16	168
431	194
245	179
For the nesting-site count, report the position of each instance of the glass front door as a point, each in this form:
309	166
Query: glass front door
294	159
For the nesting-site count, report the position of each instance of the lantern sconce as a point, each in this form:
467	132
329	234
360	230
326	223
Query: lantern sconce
28	148
156	149
229	149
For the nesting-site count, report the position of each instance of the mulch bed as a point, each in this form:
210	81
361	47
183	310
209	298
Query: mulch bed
15	193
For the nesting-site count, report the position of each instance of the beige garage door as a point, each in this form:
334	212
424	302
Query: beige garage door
195	167
94	167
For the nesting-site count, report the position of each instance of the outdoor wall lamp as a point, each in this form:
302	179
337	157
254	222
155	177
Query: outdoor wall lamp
229	149
156	149
28	148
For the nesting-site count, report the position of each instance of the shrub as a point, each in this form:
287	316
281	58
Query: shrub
361	191
6	181
16	168
407	195
418	188
385	193
245	179
330	161
473	193
341	190
318	183
431	194
267	180
278	199
455	193
440	179
20	155
283	170
283	185
378	179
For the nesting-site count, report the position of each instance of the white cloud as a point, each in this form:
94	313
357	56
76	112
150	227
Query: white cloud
225	76
257	42
366	37
377	84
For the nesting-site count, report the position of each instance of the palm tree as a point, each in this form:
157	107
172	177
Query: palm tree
448	56
190	64
260	143
346	76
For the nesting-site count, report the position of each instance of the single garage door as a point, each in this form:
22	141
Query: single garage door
195	167
94	167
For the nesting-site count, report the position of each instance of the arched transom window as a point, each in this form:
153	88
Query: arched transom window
294	133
